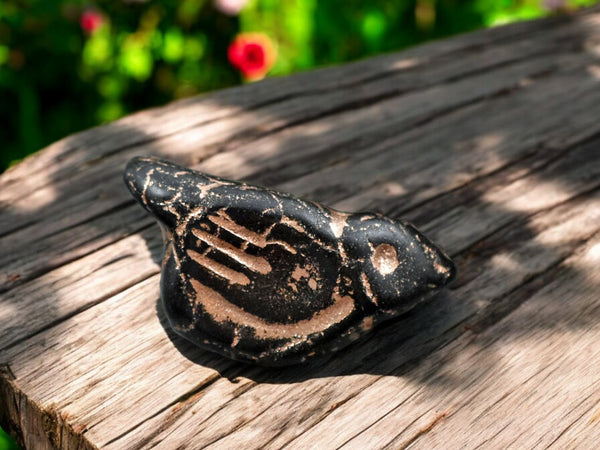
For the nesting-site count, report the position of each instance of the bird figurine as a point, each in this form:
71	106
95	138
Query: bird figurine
264	277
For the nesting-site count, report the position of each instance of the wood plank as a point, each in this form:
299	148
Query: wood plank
382	359
72	367
488	142
78	285
535	371
527	251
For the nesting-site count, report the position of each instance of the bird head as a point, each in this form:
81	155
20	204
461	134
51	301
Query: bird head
158	185
397	263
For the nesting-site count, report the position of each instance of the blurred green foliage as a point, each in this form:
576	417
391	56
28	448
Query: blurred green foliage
7	442
66	65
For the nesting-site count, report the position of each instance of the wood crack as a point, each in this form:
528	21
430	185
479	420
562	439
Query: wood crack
181	400
75	312
414	123
426	429
572	423
50	267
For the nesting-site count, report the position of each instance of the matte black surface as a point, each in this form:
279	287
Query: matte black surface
264	277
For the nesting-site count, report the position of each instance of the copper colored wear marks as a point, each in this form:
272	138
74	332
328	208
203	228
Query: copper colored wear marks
219	269
224	311
264	277
299	273
255	263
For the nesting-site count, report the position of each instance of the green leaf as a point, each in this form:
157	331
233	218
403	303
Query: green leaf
110	110
136	61
98	51
173	43
7	442
4	52
188	10
111	87
374	27
193	48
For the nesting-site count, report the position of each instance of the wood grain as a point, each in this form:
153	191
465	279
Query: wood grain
489	142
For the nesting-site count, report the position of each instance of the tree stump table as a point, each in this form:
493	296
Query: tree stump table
488	142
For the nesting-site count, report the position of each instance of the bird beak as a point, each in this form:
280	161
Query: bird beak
153	184
444	270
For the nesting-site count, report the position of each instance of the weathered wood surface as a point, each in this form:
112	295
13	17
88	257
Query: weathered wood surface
489	142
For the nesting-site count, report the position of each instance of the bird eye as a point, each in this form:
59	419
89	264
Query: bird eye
385	259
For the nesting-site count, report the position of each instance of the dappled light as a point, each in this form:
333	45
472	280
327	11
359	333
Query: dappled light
593	255
103	60
405	64
529	196
594	70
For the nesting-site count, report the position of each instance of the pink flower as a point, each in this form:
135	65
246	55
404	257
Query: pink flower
554	5
253	54
90	21
230	7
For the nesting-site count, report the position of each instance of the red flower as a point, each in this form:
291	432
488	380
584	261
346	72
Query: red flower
90	21
253	54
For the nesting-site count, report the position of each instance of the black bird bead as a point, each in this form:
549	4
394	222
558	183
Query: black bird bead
264	277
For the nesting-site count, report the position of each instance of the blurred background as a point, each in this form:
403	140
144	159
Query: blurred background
67	65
